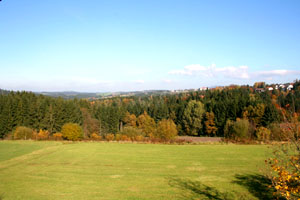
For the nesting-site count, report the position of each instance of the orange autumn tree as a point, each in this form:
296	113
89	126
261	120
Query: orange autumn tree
130	119
210	125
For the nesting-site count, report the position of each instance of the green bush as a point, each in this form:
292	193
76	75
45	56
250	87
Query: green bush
237	130
276	132
241	128
23	133
72	131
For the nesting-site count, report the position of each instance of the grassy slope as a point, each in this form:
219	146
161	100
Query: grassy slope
53	170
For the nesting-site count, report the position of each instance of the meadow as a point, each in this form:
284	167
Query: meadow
109	170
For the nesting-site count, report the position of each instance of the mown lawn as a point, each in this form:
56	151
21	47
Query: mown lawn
96	170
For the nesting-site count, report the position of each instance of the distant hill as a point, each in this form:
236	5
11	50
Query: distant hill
88	95
4	91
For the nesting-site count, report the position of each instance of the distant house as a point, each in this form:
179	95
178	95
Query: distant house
270	88
290	87
203	88
282	86
276	87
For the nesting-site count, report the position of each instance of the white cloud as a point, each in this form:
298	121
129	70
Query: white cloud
212	71
281	72
240	72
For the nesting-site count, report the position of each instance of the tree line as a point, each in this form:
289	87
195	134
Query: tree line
233	111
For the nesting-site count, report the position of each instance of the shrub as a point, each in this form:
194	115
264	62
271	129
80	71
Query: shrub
132	132
241	128
166	130
57	136
23	133
237	130
110	137
42	135
118	137
139	138
263	134
125	138
72	131
95	136
276	133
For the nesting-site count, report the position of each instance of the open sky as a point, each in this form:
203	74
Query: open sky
118	45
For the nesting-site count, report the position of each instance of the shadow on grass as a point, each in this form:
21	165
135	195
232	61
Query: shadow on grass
197	190
256	184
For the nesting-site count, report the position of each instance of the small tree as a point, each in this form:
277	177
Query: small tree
210	125
72	131
285	164
23	133
146	124
192	117
166	130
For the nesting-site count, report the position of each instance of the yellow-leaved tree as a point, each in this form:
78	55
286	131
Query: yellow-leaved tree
166	130
146	124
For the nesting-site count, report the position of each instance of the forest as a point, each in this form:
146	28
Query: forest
234	111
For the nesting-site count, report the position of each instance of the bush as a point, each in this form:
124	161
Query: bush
57	136
118	137
95	136
72	131
263	134
139	138
132	132
23	133
276	133
241	128
125	138
42	135
237	130
110	137
166	130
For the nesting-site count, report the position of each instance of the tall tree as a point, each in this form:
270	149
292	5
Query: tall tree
192	117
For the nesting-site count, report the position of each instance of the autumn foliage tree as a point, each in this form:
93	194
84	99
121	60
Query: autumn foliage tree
210	126
72	131
146	124
130	119
166	130
285	164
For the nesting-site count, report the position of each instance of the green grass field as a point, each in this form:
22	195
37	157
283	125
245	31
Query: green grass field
91	170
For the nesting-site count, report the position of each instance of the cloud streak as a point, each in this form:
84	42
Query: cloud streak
240	72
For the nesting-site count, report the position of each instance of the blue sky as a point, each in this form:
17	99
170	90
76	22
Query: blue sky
98	46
